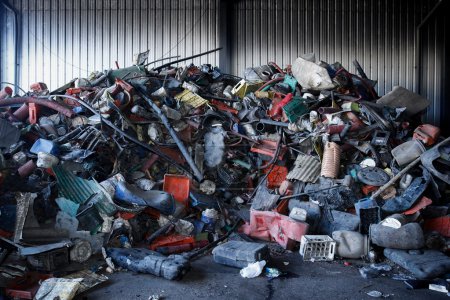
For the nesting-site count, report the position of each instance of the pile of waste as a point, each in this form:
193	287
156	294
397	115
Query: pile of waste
150	168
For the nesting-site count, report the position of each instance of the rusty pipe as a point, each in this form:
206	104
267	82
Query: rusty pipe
47	103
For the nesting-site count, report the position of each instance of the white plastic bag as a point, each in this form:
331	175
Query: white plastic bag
253	269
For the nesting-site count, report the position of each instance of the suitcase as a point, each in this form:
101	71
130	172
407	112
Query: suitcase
239	254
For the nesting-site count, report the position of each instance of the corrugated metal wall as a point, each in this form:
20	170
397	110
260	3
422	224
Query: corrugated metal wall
434	65
64	39
6	45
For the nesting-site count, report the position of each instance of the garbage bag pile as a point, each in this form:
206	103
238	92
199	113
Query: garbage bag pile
152	167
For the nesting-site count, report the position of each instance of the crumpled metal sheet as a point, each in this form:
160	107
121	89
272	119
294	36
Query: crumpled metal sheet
306	169
43	248
191	98
263	199
90	279
58	288
24	207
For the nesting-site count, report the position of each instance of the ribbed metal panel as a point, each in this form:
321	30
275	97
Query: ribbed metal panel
433	60
6	43
64	39
306	168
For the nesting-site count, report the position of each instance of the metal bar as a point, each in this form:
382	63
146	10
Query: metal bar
173	134
186	58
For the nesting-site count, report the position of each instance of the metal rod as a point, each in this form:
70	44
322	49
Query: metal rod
304	194
173	134
186	58
161	59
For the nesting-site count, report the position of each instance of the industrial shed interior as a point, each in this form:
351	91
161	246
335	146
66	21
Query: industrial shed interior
224	149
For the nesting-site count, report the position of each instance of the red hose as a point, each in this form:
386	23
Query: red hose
270	82
273	64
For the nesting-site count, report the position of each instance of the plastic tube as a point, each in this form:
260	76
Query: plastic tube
331	160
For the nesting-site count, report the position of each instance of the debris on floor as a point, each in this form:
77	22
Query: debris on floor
148	169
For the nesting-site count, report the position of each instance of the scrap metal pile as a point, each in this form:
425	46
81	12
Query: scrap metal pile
153	167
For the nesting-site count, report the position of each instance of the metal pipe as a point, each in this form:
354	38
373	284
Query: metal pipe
161	59
50	104
173	134
312	192
328	110
272	122
186	58
260	126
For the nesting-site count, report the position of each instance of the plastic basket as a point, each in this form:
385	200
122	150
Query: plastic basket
317	248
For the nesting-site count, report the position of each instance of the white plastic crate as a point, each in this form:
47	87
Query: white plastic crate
317	248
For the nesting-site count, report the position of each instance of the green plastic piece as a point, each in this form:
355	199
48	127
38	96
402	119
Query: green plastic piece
291	81
295	108
128	72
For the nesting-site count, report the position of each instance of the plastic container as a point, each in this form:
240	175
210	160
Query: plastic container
317	248
409	236
43	145
298	214
178	186
407	152
351	244
239	254
340	221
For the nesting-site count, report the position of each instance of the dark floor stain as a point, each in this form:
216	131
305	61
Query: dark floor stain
271	290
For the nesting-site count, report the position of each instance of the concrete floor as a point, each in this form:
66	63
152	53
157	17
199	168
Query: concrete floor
306	280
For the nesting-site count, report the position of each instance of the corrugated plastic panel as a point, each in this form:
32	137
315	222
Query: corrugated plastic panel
306	168
64	39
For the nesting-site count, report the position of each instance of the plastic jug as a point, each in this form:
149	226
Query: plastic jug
407	152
